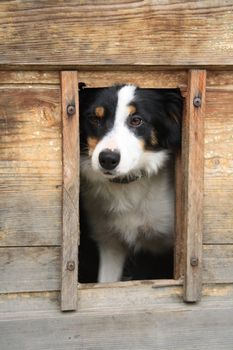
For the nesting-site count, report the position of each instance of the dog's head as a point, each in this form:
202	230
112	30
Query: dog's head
126	130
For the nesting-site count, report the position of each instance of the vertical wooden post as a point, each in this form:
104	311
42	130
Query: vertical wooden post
70	234
193	176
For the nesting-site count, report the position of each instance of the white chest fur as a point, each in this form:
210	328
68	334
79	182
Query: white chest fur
140	214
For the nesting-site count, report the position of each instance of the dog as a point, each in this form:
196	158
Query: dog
128	139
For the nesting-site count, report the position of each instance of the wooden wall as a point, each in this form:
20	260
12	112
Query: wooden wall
218	181
31	179
162	39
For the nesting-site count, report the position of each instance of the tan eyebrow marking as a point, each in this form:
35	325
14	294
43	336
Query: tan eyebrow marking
153	138
99	112
131	109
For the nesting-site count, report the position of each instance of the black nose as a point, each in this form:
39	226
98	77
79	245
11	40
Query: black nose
109	159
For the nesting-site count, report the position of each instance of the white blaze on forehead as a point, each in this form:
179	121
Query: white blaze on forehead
121	138
125	97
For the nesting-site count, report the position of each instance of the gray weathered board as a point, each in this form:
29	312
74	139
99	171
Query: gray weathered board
174	325
70	33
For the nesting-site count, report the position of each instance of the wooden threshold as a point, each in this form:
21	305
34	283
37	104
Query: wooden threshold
151	283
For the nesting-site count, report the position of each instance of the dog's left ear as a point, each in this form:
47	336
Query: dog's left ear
173	105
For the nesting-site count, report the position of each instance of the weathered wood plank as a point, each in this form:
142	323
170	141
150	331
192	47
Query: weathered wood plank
31	174
29	269
30	218
123	33
70	223
202	328
30	124
193	173
29	77
38	268
218	175
219	80
29	301
30	165
137	295
121	296
218	263
145	78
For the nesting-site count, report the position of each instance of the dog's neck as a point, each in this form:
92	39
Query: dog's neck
127	179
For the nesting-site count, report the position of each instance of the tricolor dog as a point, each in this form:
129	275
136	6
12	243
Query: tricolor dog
128	138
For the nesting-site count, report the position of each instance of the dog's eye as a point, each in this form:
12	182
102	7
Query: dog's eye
135	121
95	121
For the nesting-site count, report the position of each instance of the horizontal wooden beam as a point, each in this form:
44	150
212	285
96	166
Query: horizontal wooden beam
205	328
71	33
144	78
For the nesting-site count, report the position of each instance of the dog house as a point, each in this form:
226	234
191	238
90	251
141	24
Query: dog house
47	49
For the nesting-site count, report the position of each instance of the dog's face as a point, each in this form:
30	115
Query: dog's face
127	131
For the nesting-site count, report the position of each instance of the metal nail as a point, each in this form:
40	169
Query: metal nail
197	101
70	265
70	110
194	261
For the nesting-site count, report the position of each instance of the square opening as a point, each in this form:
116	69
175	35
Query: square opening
141	264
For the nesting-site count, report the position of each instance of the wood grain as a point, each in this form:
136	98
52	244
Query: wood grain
30	165
70	224
76	33
205	328
145	78
218	263
25	269
29	302
29	269
193	174
219	80
29	77
218	175
30	218
135	296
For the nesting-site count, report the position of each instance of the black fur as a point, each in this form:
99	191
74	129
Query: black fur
160	110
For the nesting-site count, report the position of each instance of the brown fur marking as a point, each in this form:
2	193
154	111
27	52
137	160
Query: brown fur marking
153	138
99	112
142	143
131	109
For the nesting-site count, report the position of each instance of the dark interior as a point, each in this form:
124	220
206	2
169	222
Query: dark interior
141	266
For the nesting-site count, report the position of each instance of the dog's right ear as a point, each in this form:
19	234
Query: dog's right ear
173	105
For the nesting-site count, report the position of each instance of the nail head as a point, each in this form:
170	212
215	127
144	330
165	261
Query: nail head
70	110
70	265
197	101
194	261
